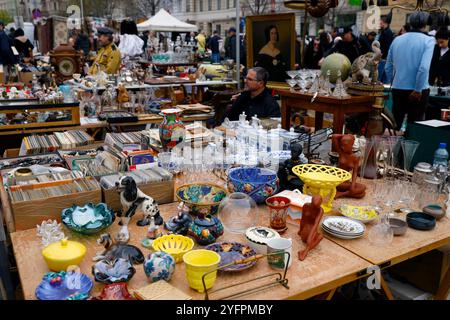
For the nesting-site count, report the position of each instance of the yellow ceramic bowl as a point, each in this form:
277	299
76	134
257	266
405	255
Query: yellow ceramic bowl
62	254
199	262
321	180
174	244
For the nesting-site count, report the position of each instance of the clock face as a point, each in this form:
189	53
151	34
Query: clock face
66	67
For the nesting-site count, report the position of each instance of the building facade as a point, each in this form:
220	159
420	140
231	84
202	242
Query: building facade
220	15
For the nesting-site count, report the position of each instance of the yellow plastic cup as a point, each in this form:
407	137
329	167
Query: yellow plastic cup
199	262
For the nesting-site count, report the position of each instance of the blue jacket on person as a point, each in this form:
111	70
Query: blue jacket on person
409	60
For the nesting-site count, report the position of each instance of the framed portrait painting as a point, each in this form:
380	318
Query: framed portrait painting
271	44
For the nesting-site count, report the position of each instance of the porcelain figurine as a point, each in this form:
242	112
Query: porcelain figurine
50	231
343	144
179	224
205	229
309	226
159	266
132	198
153	232
118	250
289	180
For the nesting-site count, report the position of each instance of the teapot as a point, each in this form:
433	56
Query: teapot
205	229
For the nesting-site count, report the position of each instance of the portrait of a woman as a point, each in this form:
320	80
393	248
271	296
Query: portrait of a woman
270	57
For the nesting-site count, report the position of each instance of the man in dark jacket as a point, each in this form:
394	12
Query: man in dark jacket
348	46
214	46
83	43
6	54
385	38
440	64
232	45
256	99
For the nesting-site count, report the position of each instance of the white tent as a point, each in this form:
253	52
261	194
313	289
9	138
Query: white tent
163	21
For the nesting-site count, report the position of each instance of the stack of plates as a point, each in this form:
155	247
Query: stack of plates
343	227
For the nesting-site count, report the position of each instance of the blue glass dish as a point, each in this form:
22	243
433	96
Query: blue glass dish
64	286
88	219
258	183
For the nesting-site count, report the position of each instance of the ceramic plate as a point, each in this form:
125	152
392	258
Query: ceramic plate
341	233
364	214
344	225
64	286
340	236
232	251
261	235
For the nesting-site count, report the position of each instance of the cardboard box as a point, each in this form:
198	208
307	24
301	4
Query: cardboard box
27	77
28	214
2	74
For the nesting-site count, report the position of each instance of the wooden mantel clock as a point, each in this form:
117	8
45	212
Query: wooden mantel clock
66	61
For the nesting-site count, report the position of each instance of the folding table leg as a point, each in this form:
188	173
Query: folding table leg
386	289
444	288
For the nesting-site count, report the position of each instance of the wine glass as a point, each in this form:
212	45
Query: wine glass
292	73
292	83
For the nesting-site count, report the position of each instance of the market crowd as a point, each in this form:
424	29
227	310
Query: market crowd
412	60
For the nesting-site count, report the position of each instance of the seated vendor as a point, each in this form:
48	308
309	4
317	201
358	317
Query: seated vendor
256	99
108	57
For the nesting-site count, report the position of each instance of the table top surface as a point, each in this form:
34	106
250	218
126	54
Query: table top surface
323	99
326	267
333	263
411	244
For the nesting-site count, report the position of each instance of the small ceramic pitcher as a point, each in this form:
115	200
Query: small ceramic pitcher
279	246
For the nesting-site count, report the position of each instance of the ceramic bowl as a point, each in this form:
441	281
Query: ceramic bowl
113	271
199	262
62	254
398	226
59	286
88	219
173	244
202	198
258	183
434	210
420	221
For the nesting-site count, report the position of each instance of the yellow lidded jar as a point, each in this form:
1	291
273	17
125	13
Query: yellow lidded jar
62	254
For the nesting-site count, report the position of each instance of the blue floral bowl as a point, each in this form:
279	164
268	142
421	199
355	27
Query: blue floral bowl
88	219
159	266
201	198
258	183
64	286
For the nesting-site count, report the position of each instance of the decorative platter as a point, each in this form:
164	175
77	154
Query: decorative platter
232	251
365	214
64	286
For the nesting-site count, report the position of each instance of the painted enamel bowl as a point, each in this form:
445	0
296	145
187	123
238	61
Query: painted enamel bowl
64	286
201	198
88	219
113	271
258	183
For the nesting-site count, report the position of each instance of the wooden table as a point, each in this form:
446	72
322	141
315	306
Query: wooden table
338	107
402	248
326	268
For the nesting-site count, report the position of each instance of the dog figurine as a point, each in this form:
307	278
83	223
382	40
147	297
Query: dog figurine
132	198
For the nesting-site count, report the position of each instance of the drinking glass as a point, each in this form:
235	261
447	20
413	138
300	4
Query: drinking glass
409	148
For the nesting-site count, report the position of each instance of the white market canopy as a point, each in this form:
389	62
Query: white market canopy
163	21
